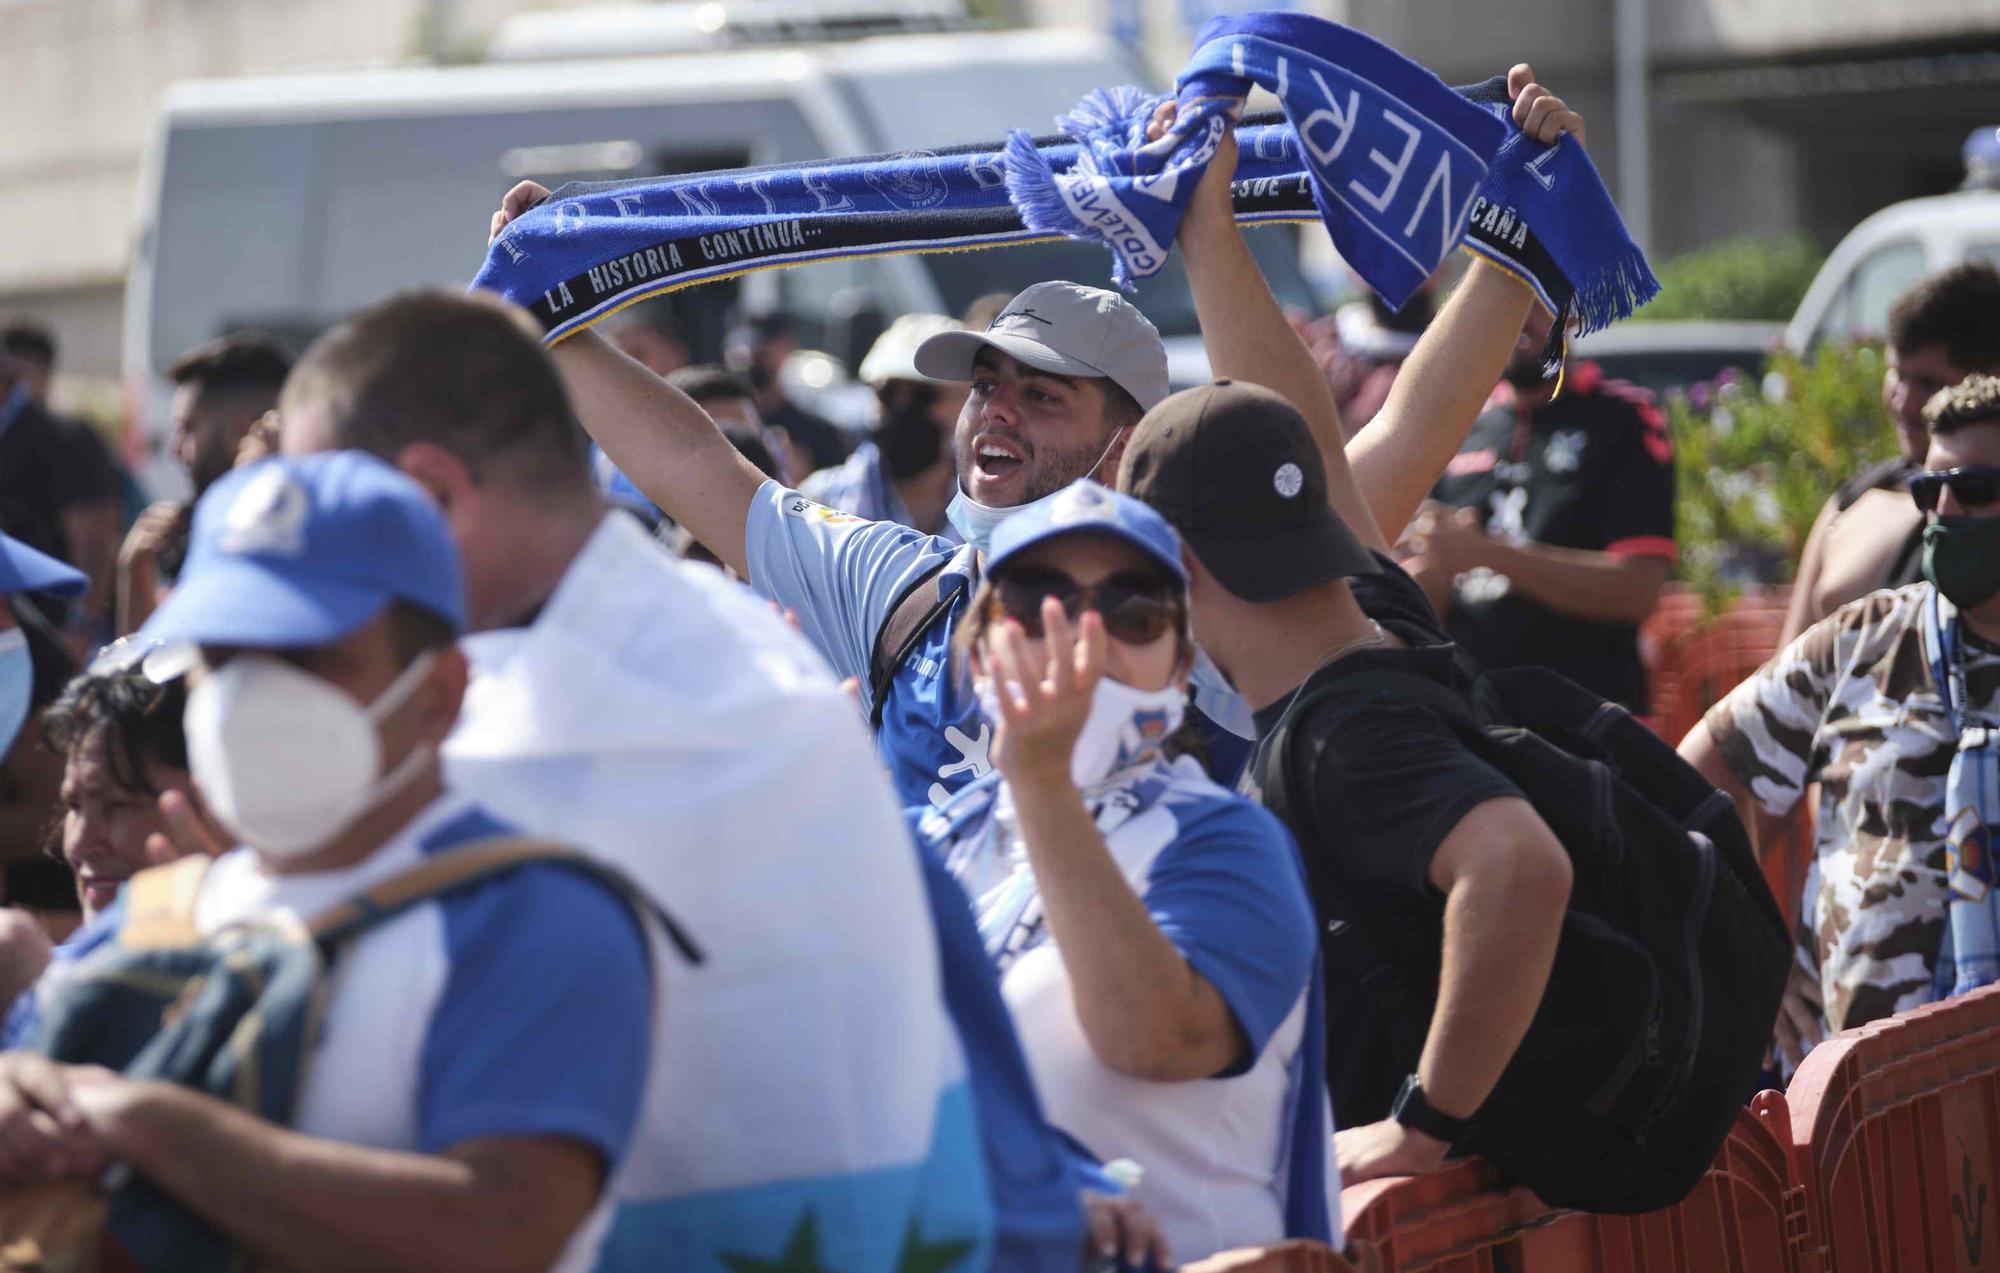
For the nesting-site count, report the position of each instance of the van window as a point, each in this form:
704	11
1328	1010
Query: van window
1878	281
327	215
925	107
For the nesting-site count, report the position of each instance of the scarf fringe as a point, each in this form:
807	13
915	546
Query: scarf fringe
1031	188
1124	108
1614	291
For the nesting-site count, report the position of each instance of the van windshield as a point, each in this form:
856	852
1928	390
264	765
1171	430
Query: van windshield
925	106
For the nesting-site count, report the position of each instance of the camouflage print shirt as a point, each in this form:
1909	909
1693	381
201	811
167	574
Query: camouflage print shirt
1852	706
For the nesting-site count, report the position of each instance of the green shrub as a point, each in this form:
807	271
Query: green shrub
1746	278
1756	461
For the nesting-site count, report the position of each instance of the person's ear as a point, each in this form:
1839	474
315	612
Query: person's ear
1106	473
442	474
442	695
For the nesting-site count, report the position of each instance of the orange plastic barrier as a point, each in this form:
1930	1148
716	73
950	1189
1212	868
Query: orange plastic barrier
1895	1133
1744	1217
1459	1220
1287	1257
1692	663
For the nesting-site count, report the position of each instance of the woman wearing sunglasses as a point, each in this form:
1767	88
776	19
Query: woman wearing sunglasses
1153	934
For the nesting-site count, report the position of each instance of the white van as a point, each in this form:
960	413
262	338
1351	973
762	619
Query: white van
1887	253
281	203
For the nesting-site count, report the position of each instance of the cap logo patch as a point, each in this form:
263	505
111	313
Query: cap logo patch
1028	314
1288	481
269	517
1084	504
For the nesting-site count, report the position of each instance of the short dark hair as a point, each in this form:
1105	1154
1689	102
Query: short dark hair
31	341
242	362
463	372
1957	309
1121	409
138	719
707	382
417	631
1973	400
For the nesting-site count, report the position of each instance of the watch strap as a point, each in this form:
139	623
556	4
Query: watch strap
1413	1111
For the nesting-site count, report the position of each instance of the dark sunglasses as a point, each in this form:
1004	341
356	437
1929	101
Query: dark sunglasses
1972	485
1136	608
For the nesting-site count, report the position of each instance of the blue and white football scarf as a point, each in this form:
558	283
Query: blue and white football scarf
1398	167
1969	955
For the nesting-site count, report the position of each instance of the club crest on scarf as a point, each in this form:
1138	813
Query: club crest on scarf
1969	954
1969	857
1393	163
914	181
1143	736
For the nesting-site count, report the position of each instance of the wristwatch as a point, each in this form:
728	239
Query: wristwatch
1413	1111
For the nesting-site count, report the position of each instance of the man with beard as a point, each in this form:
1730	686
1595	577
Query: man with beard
904	472
1553	527
1058	380
221	389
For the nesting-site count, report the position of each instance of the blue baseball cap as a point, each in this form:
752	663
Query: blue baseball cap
299	552
22	569
1085	507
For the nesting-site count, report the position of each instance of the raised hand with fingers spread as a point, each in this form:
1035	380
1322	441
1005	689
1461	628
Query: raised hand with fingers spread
1043	699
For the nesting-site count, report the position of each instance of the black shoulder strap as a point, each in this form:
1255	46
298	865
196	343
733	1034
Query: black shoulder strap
472	864
1905	567
1275	772
1876	477
913	615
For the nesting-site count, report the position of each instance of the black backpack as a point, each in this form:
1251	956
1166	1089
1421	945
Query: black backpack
1669	969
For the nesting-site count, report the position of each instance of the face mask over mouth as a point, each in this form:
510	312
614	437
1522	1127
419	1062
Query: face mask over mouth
1962	559
1125	726
288	761
910	441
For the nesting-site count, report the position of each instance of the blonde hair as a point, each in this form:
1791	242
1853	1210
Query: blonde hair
1973	400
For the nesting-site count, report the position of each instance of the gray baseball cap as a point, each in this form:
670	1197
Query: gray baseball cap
1066	328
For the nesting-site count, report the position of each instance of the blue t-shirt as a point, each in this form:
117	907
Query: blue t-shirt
1235	1160
519	1006
842	574
24	1015
861	486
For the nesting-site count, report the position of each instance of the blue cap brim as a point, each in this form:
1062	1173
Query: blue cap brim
1151	550
240	601
22	569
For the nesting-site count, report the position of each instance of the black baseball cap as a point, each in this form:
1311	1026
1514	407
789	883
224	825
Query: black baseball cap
1234	468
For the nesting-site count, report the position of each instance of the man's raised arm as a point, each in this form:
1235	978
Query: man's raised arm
1246	334
1399	455
654	433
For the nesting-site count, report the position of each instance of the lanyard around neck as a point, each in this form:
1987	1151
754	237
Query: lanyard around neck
1944	649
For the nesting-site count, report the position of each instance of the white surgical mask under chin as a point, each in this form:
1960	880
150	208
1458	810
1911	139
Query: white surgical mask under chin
975	522
288	761
17	685
1219	699
1125	727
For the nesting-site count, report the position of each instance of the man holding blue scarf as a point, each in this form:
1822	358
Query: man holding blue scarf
1056	381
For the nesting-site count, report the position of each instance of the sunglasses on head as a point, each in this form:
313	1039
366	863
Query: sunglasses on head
1136	607
1973	485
